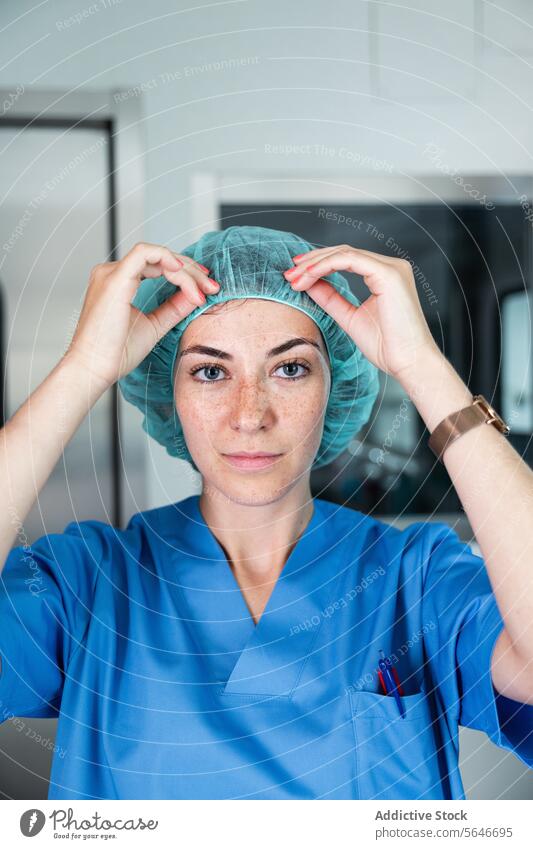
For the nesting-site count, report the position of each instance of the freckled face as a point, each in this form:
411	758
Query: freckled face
243	396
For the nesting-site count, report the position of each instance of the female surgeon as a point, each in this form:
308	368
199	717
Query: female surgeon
228	645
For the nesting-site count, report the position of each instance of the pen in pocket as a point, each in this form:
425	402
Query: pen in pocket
390	681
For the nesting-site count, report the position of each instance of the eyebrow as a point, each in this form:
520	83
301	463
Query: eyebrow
223	355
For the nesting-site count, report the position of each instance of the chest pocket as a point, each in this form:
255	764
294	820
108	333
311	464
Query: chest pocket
396	757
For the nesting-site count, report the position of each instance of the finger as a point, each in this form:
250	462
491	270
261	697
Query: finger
196	263
150	269
308	255
306	286
188	286
387	260
169	313
148	260
156	256
373	271
188	262
200	273
194	282
161	268
202	280
306	261
327	297
144	259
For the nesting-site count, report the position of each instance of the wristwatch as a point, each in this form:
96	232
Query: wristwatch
454	425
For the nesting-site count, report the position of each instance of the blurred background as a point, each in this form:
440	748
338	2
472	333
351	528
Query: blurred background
401	128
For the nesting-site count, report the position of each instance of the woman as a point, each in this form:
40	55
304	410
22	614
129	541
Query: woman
227	646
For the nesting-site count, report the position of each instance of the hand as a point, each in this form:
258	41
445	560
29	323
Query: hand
389	327
112	337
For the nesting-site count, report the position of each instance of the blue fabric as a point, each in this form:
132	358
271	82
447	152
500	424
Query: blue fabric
141	642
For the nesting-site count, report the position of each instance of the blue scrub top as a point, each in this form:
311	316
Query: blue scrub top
141	642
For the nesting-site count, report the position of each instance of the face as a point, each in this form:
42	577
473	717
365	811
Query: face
243	385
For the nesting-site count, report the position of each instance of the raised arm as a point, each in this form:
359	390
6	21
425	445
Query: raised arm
33	440
111	339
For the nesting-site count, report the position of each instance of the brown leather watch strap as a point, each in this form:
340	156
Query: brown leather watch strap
454	425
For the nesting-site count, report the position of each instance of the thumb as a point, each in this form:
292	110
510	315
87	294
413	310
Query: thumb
170	312
332	302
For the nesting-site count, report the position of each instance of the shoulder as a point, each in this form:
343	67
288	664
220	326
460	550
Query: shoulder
99	540
417	542
90	541
421	532
163	520
150	532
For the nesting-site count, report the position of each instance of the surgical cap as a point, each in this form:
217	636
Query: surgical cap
249	262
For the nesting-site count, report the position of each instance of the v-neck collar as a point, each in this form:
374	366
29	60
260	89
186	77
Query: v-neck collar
247	658
304	539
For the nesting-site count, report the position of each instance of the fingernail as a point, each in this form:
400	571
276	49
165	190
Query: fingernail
203	267
297	256
290	272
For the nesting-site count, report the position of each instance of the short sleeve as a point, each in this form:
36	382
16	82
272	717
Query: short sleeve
46	590
464	621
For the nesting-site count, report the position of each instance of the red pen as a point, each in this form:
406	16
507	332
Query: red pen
398	684
390	681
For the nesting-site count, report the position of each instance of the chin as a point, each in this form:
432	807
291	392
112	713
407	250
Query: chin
250	488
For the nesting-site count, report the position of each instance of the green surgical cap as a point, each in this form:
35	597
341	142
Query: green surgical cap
249	262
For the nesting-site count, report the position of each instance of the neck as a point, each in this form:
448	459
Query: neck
258	539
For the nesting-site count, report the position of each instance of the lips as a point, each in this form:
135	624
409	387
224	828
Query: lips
249	461
253	454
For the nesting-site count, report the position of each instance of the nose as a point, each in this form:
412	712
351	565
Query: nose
252	408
